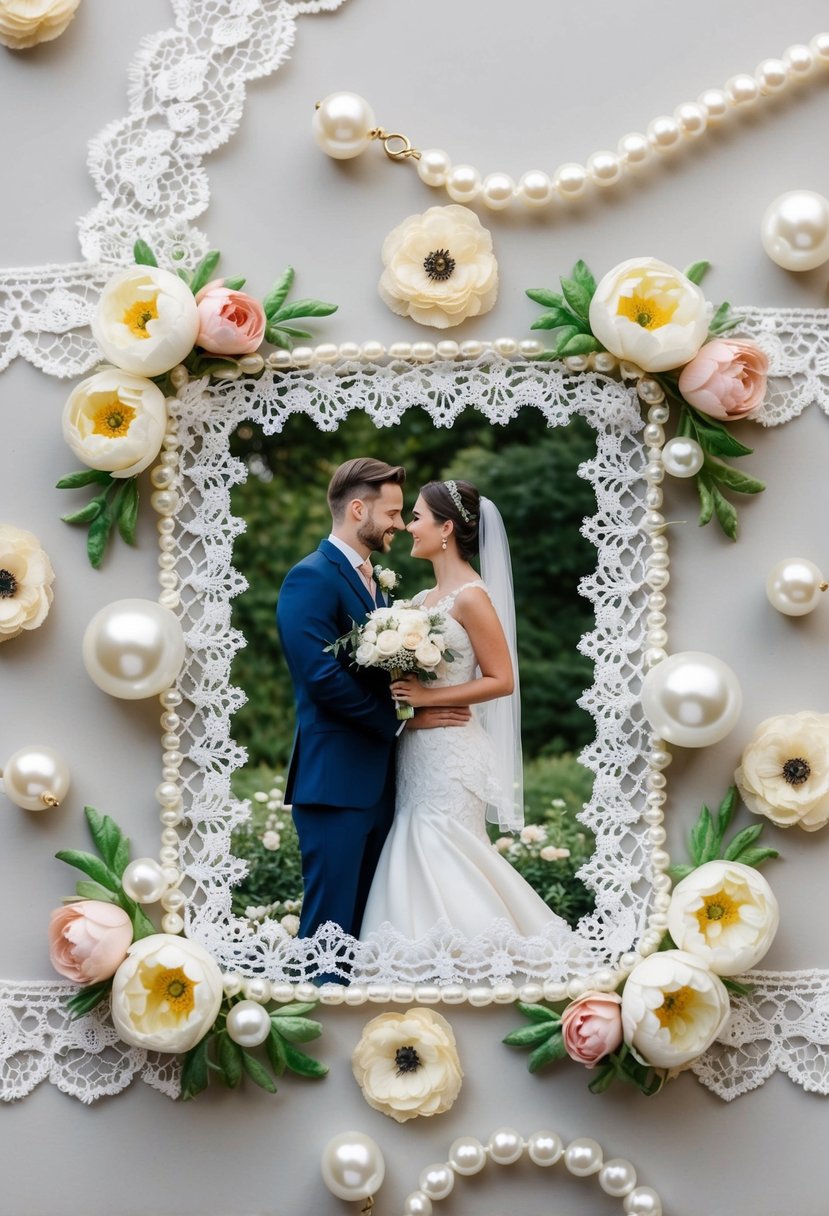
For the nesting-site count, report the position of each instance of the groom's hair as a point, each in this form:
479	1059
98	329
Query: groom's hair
362	477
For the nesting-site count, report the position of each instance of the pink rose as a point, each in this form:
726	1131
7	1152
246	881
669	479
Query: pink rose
230	322
727	379
591	1027
89	940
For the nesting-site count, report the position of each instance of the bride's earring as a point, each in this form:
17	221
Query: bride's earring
443	543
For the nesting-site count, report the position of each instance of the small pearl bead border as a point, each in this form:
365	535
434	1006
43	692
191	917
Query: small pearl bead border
165	477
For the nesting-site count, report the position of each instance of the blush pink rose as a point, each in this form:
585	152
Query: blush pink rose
230	322
592	1027
89	940
726	380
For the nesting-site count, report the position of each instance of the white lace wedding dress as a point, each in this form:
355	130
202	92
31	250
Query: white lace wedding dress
437	863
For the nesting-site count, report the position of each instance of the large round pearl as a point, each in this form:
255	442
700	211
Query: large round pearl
467	1155
617	1177
795	230
36	778
248	1024
341	125
583	1156
436	1181
417	1204
691	699
133	648
544	1148
682	457
794	586
535	188
644	1201
505	1145
144	880
352	1166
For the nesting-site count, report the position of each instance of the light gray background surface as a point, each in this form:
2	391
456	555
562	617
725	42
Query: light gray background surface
505	86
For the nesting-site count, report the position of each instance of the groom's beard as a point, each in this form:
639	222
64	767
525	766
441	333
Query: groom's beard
375	538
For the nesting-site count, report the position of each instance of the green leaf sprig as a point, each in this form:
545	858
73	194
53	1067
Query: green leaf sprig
115	503
218	1053
708	843
104	871
567	315
278	312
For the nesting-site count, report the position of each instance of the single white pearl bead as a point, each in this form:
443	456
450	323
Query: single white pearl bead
248	1024
302	356
643	1201
400	350
682	457
497	191
530	347
692	119
659	414
331	994
664	133
434	167
471	349
165	502
801	59
171	816
162	477
604	168
544	1148
505	1146
423	352
427	994
617	1177
372	352
467	1156
341	125
505	346
170	741
326	352
251	364
772	75
819	46
742	89
352	1166
454	994
144	881
279	359
172	923
170	836
535	188
654	435
570	179
650	391
36	778
379	994
417	1204
349	350
258	989
554	991
795	230
715	104
168	855
232	983
794	586
436	1181
603	361
173	901
447	349
463	184
634	150
179	376
583	1157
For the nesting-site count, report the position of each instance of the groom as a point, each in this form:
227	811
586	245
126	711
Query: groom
341	774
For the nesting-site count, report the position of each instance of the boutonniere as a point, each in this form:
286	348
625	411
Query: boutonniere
388	580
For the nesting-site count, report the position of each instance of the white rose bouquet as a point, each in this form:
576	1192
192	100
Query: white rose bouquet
400	640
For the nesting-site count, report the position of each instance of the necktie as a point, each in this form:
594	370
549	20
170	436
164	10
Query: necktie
367	575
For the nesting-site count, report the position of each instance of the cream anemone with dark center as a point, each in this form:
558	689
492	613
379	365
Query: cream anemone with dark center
796	770
8	584
439	265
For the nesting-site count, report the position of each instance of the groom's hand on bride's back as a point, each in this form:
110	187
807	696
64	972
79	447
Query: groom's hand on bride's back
429	717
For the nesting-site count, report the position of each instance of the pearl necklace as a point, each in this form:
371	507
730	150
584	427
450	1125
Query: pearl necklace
344	124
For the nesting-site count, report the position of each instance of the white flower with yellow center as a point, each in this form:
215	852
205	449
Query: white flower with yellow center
673	1008
166	994
26	578
407	1065
25	23
439	267
784	773
146	320
650	314
115	421
726	914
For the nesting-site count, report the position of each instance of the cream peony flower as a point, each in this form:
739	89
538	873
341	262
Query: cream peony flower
724	913
406	1064
115	421
784	773
26	578
673	1008
166	994
650	314
25	23
439	267
389	642
146	320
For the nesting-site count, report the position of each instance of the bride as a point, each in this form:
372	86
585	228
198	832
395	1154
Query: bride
438	863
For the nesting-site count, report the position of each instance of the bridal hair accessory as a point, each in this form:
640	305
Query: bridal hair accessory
455	495
353	1168
344	124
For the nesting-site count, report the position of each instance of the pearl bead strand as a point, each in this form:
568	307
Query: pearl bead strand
344	124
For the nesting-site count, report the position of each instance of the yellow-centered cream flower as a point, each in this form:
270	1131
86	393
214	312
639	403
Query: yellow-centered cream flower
146	321
115	421
648	313
25	23
407	1065
726	914
784	773
166	994
439	267
673	1008
26	578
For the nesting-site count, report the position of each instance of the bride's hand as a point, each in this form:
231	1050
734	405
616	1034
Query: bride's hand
409	688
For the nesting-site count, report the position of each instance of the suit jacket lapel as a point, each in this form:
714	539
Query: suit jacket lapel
348	572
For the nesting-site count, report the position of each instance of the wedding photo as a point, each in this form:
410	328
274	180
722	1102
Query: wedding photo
466	813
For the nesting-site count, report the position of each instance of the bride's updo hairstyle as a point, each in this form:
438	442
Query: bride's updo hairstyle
463	515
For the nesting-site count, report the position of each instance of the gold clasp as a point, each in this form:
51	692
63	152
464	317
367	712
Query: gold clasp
395	153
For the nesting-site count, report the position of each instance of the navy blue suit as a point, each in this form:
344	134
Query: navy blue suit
341	775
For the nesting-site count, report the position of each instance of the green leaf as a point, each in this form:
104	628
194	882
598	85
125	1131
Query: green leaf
86	514
735	988
582	344
602	1079
719	317
725	513
295	1010
537	1013
128	511
296	333
84	477
304	1065
547	1053
275	298
98	536
546	356
142	926
725	813
743	840
204	271
121	857
679	872
105	833
276	1050
531	1036
93	866
229	1059
234	284
702	836
184	275
94	890
303	308
741	483
555	318
697	271
194	1072
714	437
276	337
583	276
756	857
577	297
561	337
88	998
547	299
258	1073
706	499
142	254
299	1030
